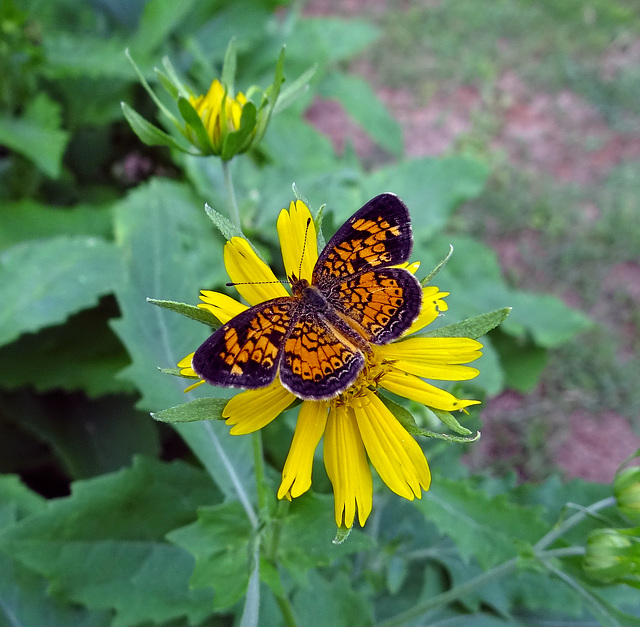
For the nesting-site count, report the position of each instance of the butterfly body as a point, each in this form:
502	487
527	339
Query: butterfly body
315	340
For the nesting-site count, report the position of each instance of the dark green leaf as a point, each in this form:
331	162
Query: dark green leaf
431	188
103	547
29	219
333	602
23	500
307	534
159	19
157	222
220	542
37	135
72	272
81	355
88	437
481	526
27	603
363	105
523	361
200	409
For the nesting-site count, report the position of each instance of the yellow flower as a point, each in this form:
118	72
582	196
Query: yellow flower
220	114
357	425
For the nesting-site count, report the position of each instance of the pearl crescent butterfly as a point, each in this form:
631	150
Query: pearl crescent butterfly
315	340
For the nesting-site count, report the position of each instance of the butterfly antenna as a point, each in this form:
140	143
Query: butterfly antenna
255	283
304	246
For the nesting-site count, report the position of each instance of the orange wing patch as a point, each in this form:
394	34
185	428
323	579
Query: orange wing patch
317	359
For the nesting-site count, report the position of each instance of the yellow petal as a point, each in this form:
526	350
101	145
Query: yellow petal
434	357
296	474
432	305
185	364
298	240
193	386
409	386
223	307
253	409
258	282
346	463
396	456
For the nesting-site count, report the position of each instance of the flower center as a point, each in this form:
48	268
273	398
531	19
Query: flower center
375	367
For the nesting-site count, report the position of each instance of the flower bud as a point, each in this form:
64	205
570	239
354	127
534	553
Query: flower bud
626	489
609	555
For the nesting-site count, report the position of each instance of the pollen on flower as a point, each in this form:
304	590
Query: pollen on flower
376	366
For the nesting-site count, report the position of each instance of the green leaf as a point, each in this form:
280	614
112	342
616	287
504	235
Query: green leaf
227	229
406	420
294	90
26	602
148	133
200	409
228	76
471	327
307	534
474	278
28	219
84	55
73	272
37	135
23	500
523	361
88	437
483	527
328	39
431	188
364	106
190	311
219	541
103	547
157	223
272	97
235	141
159	19
333	602
81	355
192	119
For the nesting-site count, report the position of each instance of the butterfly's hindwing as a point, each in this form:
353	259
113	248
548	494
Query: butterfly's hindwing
316	363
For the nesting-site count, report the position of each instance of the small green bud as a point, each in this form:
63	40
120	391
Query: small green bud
626	489
609	555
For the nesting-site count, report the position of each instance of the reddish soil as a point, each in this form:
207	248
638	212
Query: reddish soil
556	134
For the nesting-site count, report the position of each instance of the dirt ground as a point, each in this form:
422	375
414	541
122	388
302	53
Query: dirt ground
560	135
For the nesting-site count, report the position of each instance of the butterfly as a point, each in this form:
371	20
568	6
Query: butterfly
315	340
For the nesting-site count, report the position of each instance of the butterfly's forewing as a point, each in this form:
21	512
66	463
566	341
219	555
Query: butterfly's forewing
246	351
376	236
316	363
382	302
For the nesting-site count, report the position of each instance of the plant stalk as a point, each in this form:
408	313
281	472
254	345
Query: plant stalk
232	203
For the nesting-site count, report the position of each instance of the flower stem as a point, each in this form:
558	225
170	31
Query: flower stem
571	522
505	568
234	213
261	487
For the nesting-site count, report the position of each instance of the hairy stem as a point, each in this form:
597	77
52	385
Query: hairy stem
234	213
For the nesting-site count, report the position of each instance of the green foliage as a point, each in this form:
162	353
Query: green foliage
109	535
